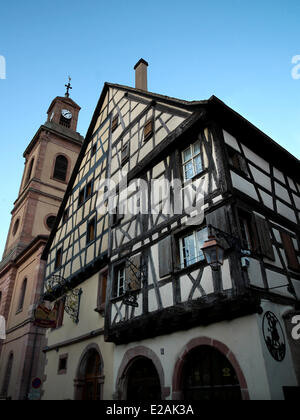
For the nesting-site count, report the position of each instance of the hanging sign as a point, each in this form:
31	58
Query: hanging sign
44	317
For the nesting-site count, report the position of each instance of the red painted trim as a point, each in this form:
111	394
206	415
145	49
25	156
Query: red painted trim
205	341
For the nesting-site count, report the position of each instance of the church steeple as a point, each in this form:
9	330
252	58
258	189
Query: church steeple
49	160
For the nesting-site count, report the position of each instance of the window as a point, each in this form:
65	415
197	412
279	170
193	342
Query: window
50	222
255	234
62	364
191	247
125	153
192	161
81	197
65	216
94	150
246	230
60	168
16	227
22	296
120	281
237	161
30	170
85	193
290	252
102	287
89	190
58	258
148	130
114	124
91	231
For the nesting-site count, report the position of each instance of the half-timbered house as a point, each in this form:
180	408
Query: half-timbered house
177	324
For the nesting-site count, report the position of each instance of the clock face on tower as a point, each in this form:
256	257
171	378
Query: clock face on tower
66	114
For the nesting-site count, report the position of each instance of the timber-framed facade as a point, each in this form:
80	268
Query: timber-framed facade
182	307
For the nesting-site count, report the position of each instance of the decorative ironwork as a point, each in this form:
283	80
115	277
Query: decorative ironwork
135	276
274	336
58	286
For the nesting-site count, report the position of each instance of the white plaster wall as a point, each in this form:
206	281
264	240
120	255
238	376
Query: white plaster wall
241	336
279	373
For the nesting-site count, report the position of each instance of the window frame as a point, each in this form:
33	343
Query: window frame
22	296
91	223
117	281
55	169
192	159
199	256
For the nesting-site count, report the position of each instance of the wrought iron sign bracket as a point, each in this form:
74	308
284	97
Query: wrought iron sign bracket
58	285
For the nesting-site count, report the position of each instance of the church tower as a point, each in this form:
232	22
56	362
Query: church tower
49	160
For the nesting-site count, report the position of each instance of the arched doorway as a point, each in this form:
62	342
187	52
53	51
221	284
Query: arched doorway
90	379
208	375
143	382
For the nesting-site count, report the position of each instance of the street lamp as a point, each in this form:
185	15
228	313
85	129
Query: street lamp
213	253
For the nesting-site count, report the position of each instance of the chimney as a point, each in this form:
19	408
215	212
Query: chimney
141	74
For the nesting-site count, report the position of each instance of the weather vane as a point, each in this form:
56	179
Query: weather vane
68	86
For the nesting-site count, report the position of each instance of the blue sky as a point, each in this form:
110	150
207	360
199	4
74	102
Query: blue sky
238	50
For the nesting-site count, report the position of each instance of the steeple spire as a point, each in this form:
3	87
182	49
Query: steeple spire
68	86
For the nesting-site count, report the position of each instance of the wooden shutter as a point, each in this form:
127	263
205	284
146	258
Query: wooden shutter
125	152
133	273
219	219
242	164
148	130
114	123
293	263
165	257
264	238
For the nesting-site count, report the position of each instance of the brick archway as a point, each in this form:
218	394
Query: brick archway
128	359
222	348
79	381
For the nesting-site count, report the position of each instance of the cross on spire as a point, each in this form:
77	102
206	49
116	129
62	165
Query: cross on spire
68	86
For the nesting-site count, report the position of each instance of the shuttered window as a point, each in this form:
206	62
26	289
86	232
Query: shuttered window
237	161
114	124
125	153
264	237
60	168
289	249
91	231
102	290
165	257
148	130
